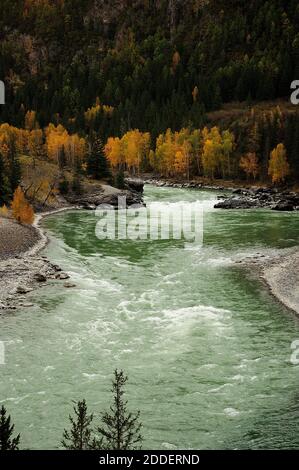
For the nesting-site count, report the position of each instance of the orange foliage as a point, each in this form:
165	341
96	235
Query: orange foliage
279	167
21	209
249	164
73	145
130	151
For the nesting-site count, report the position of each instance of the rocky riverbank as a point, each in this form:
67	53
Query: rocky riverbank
282	278
108	195
240	198
280	273
186	184
22	269
256	198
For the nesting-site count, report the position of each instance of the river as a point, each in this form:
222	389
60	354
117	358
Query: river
206	347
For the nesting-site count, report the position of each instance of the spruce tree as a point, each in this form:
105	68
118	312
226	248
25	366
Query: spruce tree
61	158
7	442
120	180
4	185
120	429
14	166
77	179
79	436
63	184
97	165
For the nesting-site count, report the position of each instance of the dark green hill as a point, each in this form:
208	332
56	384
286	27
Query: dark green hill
159	63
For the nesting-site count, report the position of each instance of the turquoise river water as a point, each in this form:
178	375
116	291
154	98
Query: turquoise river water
206	347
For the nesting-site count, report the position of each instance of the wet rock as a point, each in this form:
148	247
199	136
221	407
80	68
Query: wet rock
23	290
235	203
62	276
40	277
283	207
237	191
69	285
87	206
56	268
134	184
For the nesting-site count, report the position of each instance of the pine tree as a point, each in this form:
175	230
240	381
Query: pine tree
77	179
120	180
7	442
61	158
97	165
79	436
121	429
63	184
14	166
4	185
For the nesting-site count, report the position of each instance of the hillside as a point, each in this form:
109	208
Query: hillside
180	89
158	63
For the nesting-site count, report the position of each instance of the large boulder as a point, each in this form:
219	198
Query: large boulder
134	184
236	203
283	206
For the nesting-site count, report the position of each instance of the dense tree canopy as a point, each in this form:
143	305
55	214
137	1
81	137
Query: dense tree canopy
155	64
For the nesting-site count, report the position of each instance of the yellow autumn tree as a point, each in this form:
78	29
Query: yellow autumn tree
135	147
217	150
250	165
211	150
4	211
21	209
165	153
10	134
279	167
30	121
227	146
35	144
92	113
130	151
113	152
58	139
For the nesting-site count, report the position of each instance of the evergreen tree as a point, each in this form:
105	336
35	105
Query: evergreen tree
61	158
7	442
97	165
14	166
77	179
63	185
121	429
120	180
4	185
79	436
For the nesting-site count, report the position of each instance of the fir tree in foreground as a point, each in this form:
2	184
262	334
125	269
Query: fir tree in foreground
120	429
79	436
7	442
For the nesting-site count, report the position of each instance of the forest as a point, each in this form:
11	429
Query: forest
141	78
